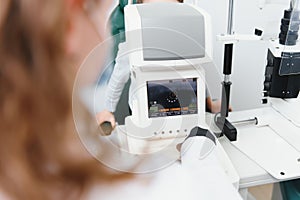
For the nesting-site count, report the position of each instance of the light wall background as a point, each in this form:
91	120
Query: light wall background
249	56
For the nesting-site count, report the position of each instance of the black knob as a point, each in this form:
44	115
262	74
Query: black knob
258	32
268	77
264	101
267	86
106	128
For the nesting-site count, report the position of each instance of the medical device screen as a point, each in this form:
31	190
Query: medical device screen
172	97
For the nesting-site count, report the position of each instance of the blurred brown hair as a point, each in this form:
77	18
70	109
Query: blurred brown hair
35	104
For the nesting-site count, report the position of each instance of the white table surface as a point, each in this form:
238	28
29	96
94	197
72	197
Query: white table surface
250	173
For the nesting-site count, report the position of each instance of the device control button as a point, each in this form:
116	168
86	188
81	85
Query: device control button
290	28
268	77
267	86
285	21
269	70
264	101
258	32
266	93
287	14
270	62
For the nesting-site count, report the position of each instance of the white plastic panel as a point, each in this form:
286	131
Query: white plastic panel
266	145
290	109
226	164
133	146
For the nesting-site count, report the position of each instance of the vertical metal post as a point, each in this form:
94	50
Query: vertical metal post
230	17
227	66
227	128
226	83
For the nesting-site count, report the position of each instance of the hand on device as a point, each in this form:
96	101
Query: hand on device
106	120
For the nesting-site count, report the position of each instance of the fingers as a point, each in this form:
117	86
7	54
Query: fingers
106	116
112	120
215	106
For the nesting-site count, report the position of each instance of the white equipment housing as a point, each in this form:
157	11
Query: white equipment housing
166	53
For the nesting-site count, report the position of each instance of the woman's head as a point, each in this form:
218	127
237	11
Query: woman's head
42	44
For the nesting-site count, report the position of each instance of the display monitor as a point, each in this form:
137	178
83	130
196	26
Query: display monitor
172	97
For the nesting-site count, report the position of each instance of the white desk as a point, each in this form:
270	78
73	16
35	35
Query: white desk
249	172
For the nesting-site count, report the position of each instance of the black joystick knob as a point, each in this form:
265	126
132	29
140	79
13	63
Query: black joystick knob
264	101
106	128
